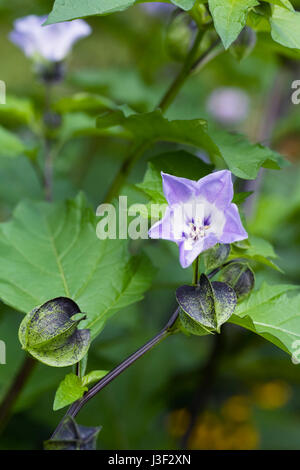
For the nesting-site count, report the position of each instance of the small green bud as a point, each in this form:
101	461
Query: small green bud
244	44
50	333
240	277
179	36
200	14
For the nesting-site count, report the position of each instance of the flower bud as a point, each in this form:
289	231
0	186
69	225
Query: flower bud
51	72
179	36
244	44
240	277
50	333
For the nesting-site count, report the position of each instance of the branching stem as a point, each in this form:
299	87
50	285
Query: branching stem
168	329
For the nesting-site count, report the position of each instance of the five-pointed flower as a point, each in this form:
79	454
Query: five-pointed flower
199	215
47	43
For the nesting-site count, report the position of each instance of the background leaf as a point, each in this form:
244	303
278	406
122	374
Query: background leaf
230	17
285	27
48	251
271	313
243	158
10	144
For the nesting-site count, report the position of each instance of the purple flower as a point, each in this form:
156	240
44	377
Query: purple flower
51	43
199	215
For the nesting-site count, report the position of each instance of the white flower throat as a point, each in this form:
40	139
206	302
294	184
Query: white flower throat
197	230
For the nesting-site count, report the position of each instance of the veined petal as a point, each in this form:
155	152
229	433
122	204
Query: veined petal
217	188
187	256
233	228
178	190
164	228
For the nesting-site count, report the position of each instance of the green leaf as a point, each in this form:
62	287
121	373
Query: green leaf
10	145
174	163
272	314
184	4
230	17
83	125
16	111
256	249
93	376
154	127
239	198
69	390
282	3
64	10
73	436
243	158
51	250
285	27
72	388
83	102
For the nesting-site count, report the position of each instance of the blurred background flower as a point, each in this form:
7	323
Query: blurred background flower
228	105
52	42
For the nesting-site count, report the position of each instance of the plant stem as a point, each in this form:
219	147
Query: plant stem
190	65
14	391
113	374
172	92
196	271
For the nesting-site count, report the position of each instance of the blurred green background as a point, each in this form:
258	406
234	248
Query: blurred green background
252	399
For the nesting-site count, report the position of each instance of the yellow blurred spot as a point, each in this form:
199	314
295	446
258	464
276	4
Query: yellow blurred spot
237	408
178	422
272	395
215	433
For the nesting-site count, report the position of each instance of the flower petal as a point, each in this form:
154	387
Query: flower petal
164	228
52	42
233	228
186	257
217	188
178	190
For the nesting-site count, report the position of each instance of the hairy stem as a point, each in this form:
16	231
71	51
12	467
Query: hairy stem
112	375
196	271
190	65
14	391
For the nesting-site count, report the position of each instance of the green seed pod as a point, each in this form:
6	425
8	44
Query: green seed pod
240	277
244	44
73	436
209	305
215	256
50	333
179	36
